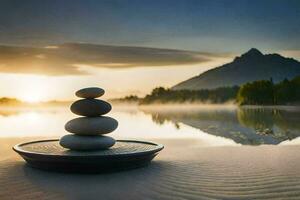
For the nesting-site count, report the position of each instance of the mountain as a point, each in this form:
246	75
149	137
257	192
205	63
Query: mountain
250	66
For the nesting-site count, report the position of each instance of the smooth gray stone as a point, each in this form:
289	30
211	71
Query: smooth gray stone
90	93
91	125
90	107
76	142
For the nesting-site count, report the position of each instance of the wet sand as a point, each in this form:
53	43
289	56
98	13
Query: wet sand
183	170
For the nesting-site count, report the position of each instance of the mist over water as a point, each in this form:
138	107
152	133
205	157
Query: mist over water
211	125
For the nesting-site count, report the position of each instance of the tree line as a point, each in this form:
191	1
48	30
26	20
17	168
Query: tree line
263	92
218	95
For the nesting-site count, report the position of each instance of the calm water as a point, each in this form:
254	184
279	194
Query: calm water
210	125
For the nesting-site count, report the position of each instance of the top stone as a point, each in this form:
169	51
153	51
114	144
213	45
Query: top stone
90	93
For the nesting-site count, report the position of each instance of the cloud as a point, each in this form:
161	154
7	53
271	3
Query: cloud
70	58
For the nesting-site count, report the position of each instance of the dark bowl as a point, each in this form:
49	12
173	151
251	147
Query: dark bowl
125	154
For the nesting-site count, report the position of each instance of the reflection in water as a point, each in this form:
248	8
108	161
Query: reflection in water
8	112
31	122
249	126
282	124
210	125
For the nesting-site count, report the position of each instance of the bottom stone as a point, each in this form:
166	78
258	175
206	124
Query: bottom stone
86	143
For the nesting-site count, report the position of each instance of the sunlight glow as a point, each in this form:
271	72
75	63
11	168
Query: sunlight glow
32	98
34	91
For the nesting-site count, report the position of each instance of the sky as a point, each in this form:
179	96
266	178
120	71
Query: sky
51	48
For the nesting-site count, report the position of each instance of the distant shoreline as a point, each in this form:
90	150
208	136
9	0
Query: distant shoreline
181	106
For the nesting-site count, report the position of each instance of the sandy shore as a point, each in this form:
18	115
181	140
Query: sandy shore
183	170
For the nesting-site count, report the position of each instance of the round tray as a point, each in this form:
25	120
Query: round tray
125	154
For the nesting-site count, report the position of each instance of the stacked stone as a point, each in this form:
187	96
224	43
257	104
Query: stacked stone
88	131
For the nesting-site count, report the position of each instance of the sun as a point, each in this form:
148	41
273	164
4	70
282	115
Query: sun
34	90
33	94
32	98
